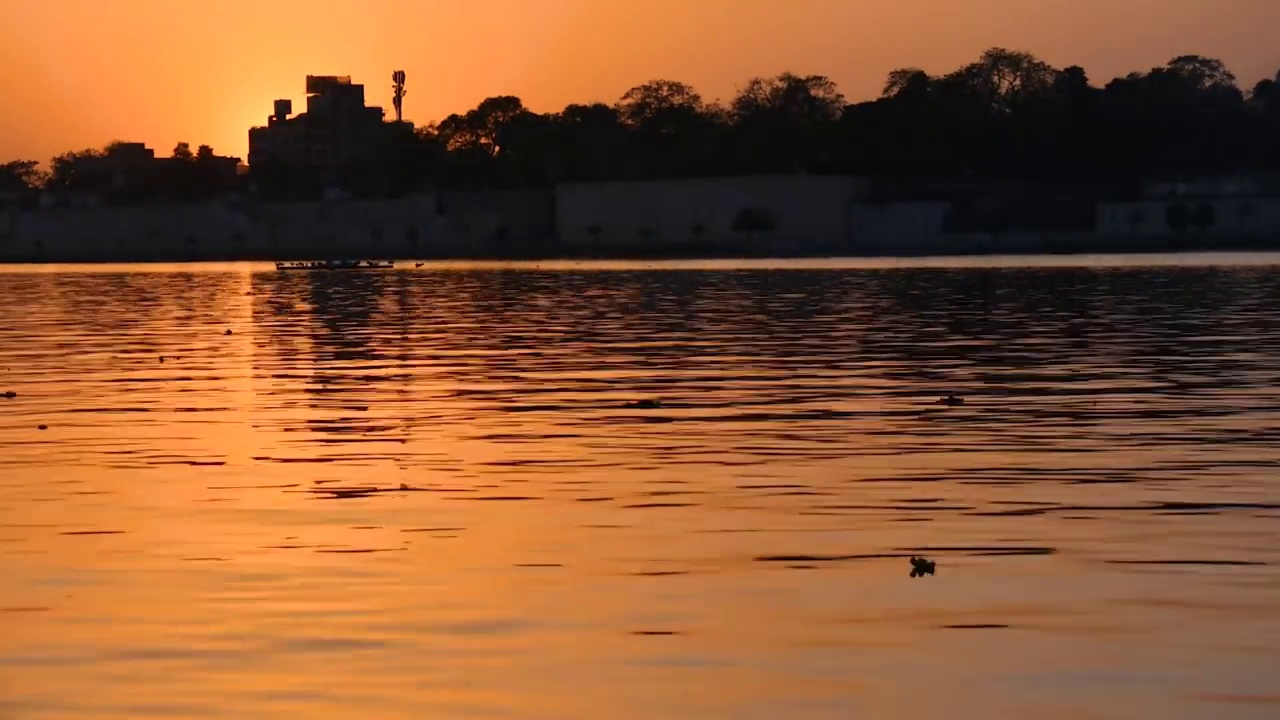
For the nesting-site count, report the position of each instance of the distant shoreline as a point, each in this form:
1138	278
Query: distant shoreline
560	257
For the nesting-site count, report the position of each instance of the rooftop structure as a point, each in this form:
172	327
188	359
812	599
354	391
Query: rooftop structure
336	139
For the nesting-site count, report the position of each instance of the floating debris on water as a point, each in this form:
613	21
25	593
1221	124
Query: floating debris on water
922	566
644	404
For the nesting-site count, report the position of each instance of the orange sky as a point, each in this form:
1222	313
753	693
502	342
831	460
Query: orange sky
79	73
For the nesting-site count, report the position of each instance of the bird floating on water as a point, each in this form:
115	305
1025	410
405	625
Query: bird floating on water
951	400
644	404
922	566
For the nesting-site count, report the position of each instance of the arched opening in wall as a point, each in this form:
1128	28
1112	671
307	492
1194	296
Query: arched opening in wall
1136	219
1178	217
411	234
501	232
1204	217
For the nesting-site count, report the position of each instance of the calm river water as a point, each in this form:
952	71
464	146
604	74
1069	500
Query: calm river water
418	493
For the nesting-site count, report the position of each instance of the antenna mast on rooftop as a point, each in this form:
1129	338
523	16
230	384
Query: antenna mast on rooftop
397	80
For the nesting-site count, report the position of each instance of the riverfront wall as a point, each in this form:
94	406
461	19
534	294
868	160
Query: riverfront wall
793	213
768	215
420	226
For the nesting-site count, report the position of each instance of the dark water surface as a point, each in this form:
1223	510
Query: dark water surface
419	493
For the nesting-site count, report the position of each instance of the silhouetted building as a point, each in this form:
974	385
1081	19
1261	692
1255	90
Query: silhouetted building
130	172
128	165
338	141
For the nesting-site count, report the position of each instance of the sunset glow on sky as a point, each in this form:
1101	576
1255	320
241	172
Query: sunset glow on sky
80	73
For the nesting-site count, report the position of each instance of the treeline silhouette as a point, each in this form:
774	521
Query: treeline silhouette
1007	116
116	173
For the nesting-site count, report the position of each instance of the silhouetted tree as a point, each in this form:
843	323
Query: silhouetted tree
674	133
78	171
785	124
907	82
20	176
590	143
661	107
1005	80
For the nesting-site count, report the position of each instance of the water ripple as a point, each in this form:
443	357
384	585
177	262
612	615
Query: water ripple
500	489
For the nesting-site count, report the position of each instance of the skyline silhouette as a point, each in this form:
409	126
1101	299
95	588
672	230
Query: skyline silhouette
1007	116
84	73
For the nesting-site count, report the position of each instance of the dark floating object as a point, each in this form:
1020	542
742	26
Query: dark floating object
922	566
42	427
336	265
228	332
644	405
9	394
951	401
337	493
976	626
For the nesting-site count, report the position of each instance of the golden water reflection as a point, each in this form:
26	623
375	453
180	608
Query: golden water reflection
420	493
